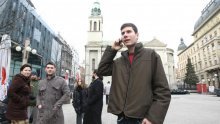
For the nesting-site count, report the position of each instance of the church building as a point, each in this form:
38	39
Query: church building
95	48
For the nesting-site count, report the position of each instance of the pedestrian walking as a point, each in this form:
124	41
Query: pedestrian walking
107	90
19	96
80	95
94	101
53	92
139	91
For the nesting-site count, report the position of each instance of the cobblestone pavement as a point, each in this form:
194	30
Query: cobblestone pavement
184	109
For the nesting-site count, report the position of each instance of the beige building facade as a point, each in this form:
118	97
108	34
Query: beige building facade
204	51
167	57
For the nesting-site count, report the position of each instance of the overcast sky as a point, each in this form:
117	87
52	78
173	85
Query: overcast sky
166	20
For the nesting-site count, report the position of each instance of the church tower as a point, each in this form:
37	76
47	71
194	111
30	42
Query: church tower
94	47
95	24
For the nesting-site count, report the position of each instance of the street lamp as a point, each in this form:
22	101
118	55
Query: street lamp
216	75
26	51
67	77
208	81
213	81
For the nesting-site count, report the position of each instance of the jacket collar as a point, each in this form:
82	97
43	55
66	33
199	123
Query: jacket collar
137	49
95	80
23	77
51	77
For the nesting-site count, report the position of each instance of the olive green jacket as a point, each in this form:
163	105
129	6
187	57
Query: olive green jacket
140	89
34	87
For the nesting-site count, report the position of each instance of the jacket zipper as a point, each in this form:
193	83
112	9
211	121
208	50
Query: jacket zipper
127	84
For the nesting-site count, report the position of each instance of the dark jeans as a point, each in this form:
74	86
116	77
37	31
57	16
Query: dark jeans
128	120
79	118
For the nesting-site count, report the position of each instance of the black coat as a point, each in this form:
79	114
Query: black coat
95	103
79	99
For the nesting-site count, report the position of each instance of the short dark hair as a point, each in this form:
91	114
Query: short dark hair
96	72
134	27
24	66
51	63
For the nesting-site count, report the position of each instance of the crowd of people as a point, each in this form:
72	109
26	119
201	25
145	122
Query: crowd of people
137	94
31	100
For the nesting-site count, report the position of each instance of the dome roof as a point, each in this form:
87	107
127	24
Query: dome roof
155	43
96	11
182	45
207	12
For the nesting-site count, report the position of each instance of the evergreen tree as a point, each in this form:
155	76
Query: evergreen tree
190	76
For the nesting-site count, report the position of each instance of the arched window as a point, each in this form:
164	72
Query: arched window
95	26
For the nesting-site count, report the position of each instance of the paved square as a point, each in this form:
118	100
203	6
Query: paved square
184	109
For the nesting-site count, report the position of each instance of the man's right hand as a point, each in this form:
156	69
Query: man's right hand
117	45
146	121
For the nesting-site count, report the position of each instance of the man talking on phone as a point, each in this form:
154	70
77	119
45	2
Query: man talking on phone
139	92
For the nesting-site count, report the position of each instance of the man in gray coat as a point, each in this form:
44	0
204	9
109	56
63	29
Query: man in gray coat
53	93
139	91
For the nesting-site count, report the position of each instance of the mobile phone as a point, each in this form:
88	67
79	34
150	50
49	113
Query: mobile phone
120	41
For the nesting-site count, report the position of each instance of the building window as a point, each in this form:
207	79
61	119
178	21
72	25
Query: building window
206	39
196	67
213	45
99	26
200	65
95	26
215	33
202	76
90	25
210	36
13	6
93	64
216	62
210	63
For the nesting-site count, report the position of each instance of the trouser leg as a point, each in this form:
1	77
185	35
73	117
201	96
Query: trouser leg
106	99
79	118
